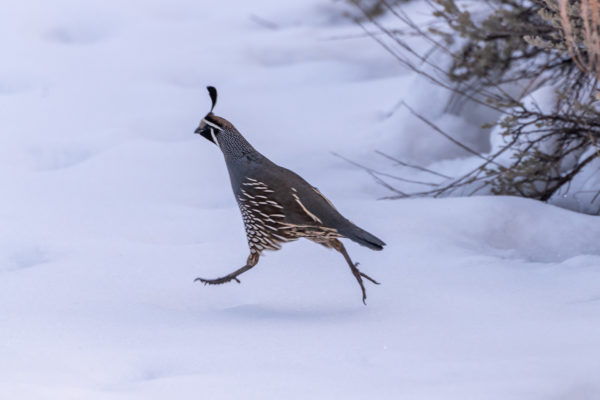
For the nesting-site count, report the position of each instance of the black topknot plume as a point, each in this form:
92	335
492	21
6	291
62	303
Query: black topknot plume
212	92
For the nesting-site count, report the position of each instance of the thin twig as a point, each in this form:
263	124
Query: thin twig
444	134
372	171
405	164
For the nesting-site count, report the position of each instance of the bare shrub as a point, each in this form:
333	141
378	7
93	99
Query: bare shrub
498	60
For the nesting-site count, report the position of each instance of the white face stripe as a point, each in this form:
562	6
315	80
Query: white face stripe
212	133
211	124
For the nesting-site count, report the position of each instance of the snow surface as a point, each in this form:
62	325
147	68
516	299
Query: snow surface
111	207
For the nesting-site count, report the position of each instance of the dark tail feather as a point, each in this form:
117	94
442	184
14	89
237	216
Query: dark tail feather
362	237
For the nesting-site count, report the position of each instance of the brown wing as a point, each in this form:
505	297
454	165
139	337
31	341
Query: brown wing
269	223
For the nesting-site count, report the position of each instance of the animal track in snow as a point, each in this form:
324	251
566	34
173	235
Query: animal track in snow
50	159
10	86
78	34
26	257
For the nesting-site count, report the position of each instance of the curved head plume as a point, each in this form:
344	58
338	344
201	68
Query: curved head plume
212	92
210	126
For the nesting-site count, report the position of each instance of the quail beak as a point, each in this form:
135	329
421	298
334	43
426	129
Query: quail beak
208	132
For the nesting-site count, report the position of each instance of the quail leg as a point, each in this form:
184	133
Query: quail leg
251	262
339	246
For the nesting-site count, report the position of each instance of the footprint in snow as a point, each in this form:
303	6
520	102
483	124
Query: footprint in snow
25	257
77	34
47	159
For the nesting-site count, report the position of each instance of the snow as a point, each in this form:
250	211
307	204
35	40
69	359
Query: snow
111	207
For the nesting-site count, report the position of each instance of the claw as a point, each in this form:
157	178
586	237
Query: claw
252	261
218	281
369	278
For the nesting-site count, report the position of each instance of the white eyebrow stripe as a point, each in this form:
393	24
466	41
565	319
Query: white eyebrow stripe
211	124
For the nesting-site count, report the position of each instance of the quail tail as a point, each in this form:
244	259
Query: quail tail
361	237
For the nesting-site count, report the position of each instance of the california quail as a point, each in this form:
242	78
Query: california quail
277	205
